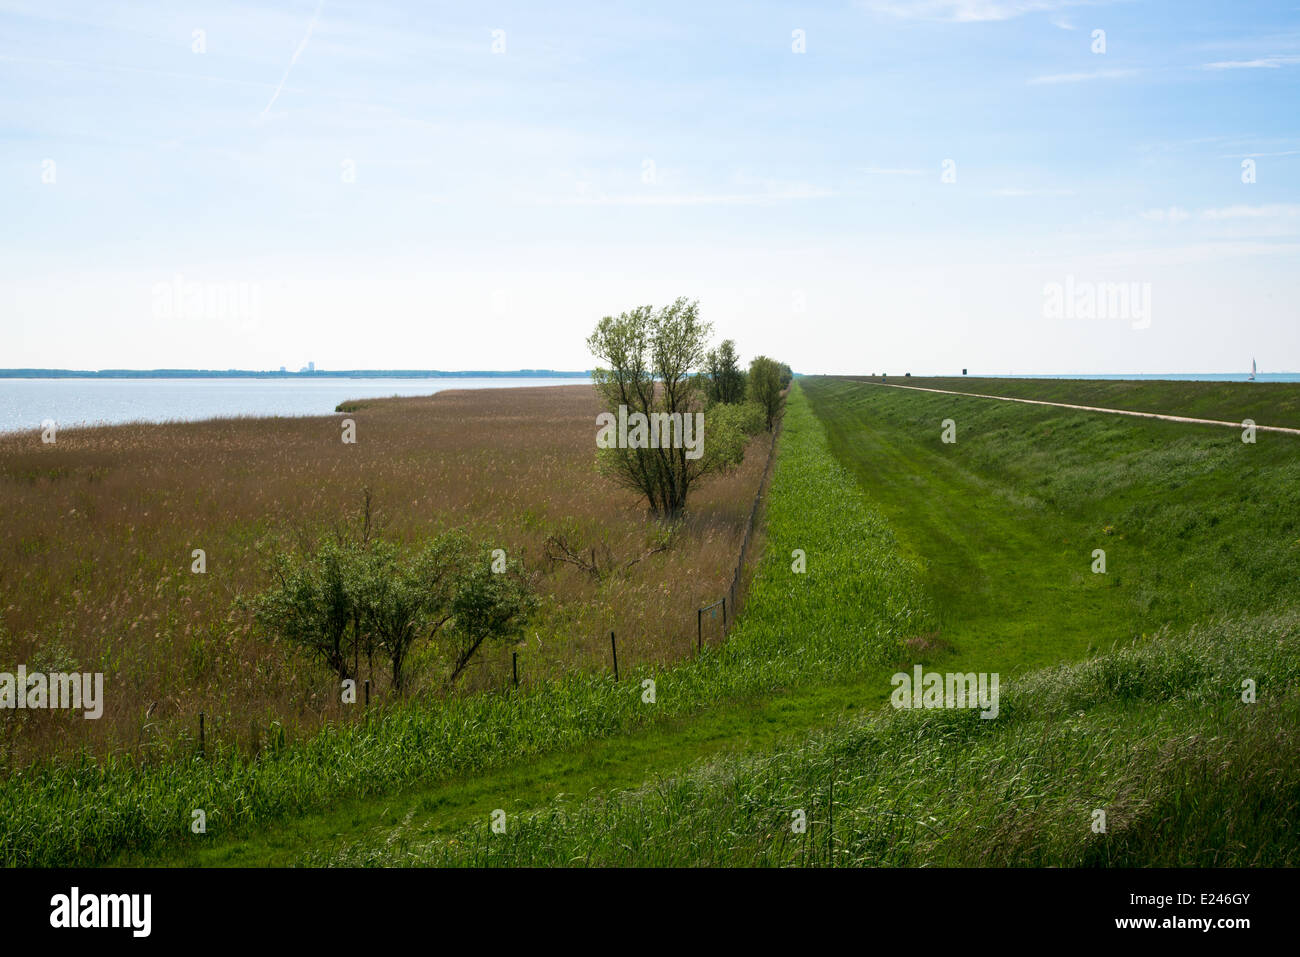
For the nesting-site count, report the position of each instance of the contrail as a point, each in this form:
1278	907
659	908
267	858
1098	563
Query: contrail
294	59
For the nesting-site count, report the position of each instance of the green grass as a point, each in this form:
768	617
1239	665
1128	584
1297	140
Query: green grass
801	634
1267	403
1194	523
1125	690
1156	736
1201	550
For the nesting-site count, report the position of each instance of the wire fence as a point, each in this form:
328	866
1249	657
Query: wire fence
735	593
728	605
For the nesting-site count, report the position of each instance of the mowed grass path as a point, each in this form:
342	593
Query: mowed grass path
754	725
1194	522
1011	583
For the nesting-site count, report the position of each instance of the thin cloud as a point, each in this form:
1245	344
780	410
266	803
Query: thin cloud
1022	191
1055	78
891	171
122	68
1261	63
966	11
1174	214
294	59
1243	211
1257	155
787	193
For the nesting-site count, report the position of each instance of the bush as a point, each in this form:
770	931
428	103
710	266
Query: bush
448	591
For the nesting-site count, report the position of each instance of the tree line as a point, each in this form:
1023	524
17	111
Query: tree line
657	362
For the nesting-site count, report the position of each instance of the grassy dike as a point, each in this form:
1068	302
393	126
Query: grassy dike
1156	736
1126	690
848	615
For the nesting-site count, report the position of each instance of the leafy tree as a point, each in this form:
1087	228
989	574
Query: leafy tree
443	591
311	603
649	356
765	386
486	605
726	381
402	602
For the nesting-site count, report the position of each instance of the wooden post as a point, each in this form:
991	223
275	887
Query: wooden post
514	666
367	692
614	648
200	734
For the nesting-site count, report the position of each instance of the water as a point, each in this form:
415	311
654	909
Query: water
26	403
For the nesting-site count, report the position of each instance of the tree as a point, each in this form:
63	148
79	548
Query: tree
401	602
765	386
486	605
726	381
311	603
446	590
652	437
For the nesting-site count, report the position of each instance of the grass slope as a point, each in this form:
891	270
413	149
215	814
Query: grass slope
1267	403
1194	523
1156	736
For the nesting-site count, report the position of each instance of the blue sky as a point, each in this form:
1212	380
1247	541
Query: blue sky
371	184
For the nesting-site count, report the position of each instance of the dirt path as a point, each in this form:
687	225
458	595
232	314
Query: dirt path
1086	408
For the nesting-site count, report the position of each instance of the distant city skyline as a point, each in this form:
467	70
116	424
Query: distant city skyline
873	185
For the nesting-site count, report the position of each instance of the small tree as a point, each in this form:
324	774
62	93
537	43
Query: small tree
487	605
649	356
765	386
402	602
311	604
394	602
726	381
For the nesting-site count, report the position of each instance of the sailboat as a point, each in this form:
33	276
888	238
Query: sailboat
1252	371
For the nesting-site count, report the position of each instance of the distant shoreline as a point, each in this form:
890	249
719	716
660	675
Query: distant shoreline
317	374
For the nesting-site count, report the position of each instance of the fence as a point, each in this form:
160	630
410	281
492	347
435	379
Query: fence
734	591
729	603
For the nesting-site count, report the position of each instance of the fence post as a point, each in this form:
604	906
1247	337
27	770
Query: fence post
724	614
699	630
200	734
614	648
367	692
514	666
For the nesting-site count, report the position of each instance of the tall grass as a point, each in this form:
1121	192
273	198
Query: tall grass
1155	735
96	543
853	608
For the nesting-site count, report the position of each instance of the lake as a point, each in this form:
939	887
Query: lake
26	403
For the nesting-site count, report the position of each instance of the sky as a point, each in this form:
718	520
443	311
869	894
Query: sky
851	187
